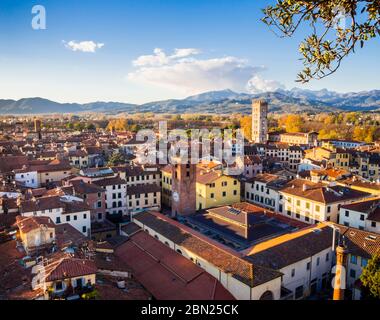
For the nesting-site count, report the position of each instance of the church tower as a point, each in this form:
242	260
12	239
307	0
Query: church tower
183	189
259	121
341	271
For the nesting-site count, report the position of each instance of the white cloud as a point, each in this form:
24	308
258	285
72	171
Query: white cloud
187	74
257	85
83	46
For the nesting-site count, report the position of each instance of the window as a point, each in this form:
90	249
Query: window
354	259
235	182
362	217
347	213
75	218
58	286
327	256
84	229
212	196
328	209
307	205
298	203
299	292
68	218
99	204
293	272
179	251
318	261
100	216
373	224
235	192
317	208
352	273
364	262
224	193
84	216
308	266
58	220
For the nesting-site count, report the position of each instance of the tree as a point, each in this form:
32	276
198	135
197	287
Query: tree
338	27
116	159
370	278
292	123
246	127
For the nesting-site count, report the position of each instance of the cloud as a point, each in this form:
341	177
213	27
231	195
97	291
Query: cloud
184	72
84	46
258	85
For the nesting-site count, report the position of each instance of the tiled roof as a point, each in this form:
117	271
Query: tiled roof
27	224
282	251
320	192
53	202
70	268
144	188
110	182
166	274
211	251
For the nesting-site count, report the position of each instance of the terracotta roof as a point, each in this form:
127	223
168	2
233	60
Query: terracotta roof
282	251
27	224
143	188
110	182
70	268
220	256
166	274
320	192
67	236
359	242
53	202
82	187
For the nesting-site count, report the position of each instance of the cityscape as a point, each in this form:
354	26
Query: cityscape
208	182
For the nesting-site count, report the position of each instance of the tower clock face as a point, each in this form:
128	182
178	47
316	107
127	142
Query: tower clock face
175	196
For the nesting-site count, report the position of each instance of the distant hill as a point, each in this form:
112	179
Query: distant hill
220	102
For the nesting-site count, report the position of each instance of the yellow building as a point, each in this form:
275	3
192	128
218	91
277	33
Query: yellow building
213	188
216	189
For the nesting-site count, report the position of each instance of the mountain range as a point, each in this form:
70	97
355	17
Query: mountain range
217	102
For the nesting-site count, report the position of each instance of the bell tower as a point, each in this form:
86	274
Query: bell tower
183	189
340	272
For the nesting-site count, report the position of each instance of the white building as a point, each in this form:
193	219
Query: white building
264	189
66	209
315	202
27	178
363	215
116	195
305	271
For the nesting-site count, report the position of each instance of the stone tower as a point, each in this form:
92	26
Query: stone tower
341	271
37	127
259	121
183	189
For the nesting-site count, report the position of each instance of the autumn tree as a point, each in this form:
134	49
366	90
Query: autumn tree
370	278
337	28
246	126
292	123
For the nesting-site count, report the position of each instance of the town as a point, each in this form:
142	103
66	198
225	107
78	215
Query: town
82	216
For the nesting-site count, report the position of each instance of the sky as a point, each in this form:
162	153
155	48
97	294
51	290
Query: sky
139	51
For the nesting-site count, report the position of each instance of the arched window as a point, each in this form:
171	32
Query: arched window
267	295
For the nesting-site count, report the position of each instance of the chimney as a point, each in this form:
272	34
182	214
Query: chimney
340	272
305	187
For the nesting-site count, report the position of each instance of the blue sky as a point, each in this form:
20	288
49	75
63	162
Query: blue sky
136	58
